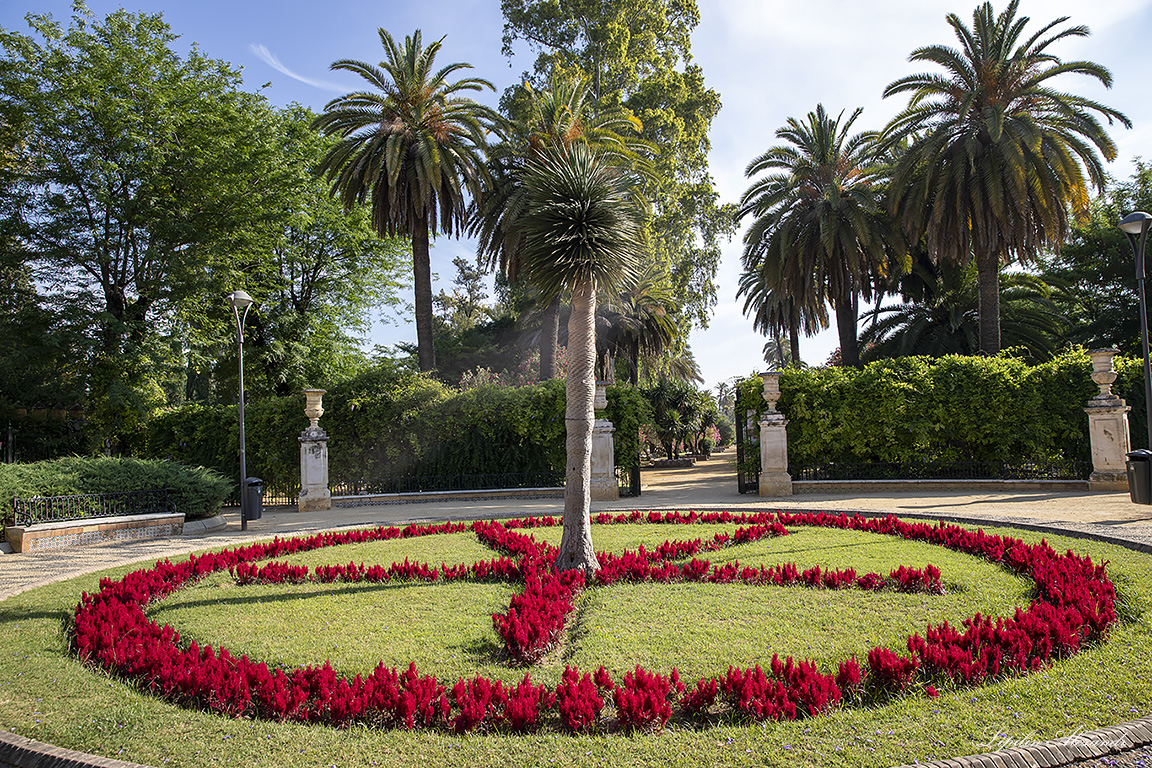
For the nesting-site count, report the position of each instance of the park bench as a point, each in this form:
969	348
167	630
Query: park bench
42	523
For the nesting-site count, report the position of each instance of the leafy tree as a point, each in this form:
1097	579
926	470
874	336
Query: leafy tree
818	232
128	165
583	233
997	154
316	271
1096	270
412	147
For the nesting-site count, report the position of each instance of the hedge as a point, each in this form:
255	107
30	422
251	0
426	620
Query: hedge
951	408
392	423
197	492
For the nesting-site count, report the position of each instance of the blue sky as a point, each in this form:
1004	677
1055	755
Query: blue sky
769	60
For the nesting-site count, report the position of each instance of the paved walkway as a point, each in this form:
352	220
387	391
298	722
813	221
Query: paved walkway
710	484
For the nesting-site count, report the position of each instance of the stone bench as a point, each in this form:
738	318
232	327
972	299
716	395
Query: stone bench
41	537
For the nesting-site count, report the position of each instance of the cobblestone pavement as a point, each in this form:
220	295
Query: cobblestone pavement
710	484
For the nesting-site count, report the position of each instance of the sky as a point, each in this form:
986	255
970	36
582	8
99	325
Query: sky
768	59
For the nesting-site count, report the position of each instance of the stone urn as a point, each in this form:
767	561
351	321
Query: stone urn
313	405
771	381
1103	373
601	401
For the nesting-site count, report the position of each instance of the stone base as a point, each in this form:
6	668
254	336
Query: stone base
318	500
45	536
776	485
1108	481
604	490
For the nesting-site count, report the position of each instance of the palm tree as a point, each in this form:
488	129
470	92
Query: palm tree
774	312
944	320
638	322
582	232
818	232
412	146
997	154
558	116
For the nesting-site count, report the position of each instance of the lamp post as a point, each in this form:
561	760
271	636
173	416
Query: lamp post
1135	225
241	302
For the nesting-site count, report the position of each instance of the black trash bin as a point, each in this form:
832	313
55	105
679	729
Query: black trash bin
1139	467
254	497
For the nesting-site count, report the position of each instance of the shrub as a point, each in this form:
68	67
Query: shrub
917	409
196	491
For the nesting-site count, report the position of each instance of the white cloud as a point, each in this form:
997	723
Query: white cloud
270	59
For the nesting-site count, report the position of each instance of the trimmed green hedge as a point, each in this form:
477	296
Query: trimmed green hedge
391	423
935	409
197	492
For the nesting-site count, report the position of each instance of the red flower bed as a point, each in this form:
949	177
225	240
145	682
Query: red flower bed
1075	604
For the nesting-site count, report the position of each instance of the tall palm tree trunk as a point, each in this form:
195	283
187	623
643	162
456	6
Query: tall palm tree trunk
422	283
794	342
576	549
846	328
988	291
549	340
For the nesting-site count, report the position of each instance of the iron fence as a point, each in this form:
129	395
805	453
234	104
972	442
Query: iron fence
943	470
432	483
54	509
629	480
274	496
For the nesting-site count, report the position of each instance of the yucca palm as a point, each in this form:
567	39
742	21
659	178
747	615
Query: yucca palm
818	231
582	232
560	115
997	154
412	146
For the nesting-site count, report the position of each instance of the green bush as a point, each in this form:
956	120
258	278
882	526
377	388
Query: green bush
952	408
197	492
390	422
628	410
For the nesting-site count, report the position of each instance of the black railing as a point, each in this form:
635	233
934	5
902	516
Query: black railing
629	480
54	509
943	470
288	496
434	483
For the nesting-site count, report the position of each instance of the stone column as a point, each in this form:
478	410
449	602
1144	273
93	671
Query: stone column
774	477
604	485
1107	427
314	493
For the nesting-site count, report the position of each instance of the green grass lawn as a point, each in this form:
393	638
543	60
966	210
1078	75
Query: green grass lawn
46	694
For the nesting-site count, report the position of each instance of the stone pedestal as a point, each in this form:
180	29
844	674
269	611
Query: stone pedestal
314	493
604	485
1107	427
774	477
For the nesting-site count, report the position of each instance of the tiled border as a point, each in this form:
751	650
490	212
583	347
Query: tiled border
19	752
1068	750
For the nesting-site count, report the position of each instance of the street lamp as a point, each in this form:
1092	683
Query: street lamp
1133	225
241	302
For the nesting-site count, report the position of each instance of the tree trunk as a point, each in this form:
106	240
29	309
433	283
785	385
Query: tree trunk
794	343
549	336
988	290
576	549
846	327
422	282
